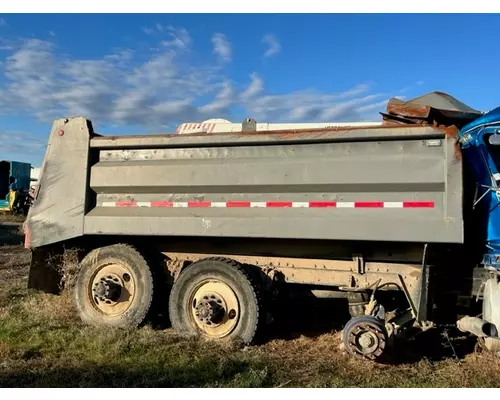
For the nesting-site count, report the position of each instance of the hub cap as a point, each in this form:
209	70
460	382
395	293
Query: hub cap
112	289
366	340
215	309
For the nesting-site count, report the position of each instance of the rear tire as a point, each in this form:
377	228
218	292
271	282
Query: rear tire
114	287
216	299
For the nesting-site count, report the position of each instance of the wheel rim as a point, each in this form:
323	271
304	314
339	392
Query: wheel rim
215	309
366	340
112	289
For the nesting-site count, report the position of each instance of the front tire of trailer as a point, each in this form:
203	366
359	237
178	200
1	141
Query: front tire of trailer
114	287
216	299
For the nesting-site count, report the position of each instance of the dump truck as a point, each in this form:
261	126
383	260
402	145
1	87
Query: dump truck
400	219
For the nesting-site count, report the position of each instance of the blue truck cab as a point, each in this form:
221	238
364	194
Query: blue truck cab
480	145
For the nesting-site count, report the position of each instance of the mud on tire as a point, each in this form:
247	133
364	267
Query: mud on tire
225	284
113	287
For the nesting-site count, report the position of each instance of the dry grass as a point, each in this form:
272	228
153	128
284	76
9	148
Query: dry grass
43	344
7	217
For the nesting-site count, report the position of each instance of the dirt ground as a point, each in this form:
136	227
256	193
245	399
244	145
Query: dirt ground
43	344
14	259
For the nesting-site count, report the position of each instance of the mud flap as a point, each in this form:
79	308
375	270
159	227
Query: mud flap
44	274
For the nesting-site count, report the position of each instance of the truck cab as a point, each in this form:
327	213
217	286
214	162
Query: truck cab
480	144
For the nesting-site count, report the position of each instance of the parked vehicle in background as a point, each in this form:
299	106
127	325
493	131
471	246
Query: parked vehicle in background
15	187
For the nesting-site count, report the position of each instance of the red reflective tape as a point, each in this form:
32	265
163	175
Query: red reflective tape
238	204
126	204
418	204
275	204
279	204
369	204
199	203
321	204
162	204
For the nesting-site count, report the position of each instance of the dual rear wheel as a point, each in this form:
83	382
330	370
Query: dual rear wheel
213	298
217	299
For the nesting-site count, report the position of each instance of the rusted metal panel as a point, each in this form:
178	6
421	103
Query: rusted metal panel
343	274
435	108
267	137
339	273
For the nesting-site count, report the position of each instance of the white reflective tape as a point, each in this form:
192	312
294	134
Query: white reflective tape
299	204
258	204
109	204
393	204
219	204
180	204
143	204
345	204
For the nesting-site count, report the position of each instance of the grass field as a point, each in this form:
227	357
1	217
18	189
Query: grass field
43	344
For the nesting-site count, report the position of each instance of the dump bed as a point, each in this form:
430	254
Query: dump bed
387	183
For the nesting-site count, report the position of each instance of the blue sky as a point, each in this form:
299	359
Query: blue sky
147	73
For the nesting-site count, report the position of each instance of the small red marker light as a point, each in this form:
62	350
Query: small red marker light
60	132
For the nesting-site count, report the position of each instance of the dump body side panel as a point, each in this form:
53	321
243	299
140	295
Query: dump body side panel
382	184
401	184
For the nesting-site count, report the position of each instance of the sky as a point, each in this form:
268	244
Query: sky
148	73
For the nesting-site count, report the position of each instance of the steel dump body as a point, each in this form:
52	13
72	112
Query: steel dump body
388	183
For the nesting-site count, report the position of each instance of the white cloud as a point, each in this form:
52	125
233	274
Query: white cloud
179	39
15	142
51	33
379	106
274	46
174	38
222	47
349	107
3	22
313	105
158	89
255	87
224	99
